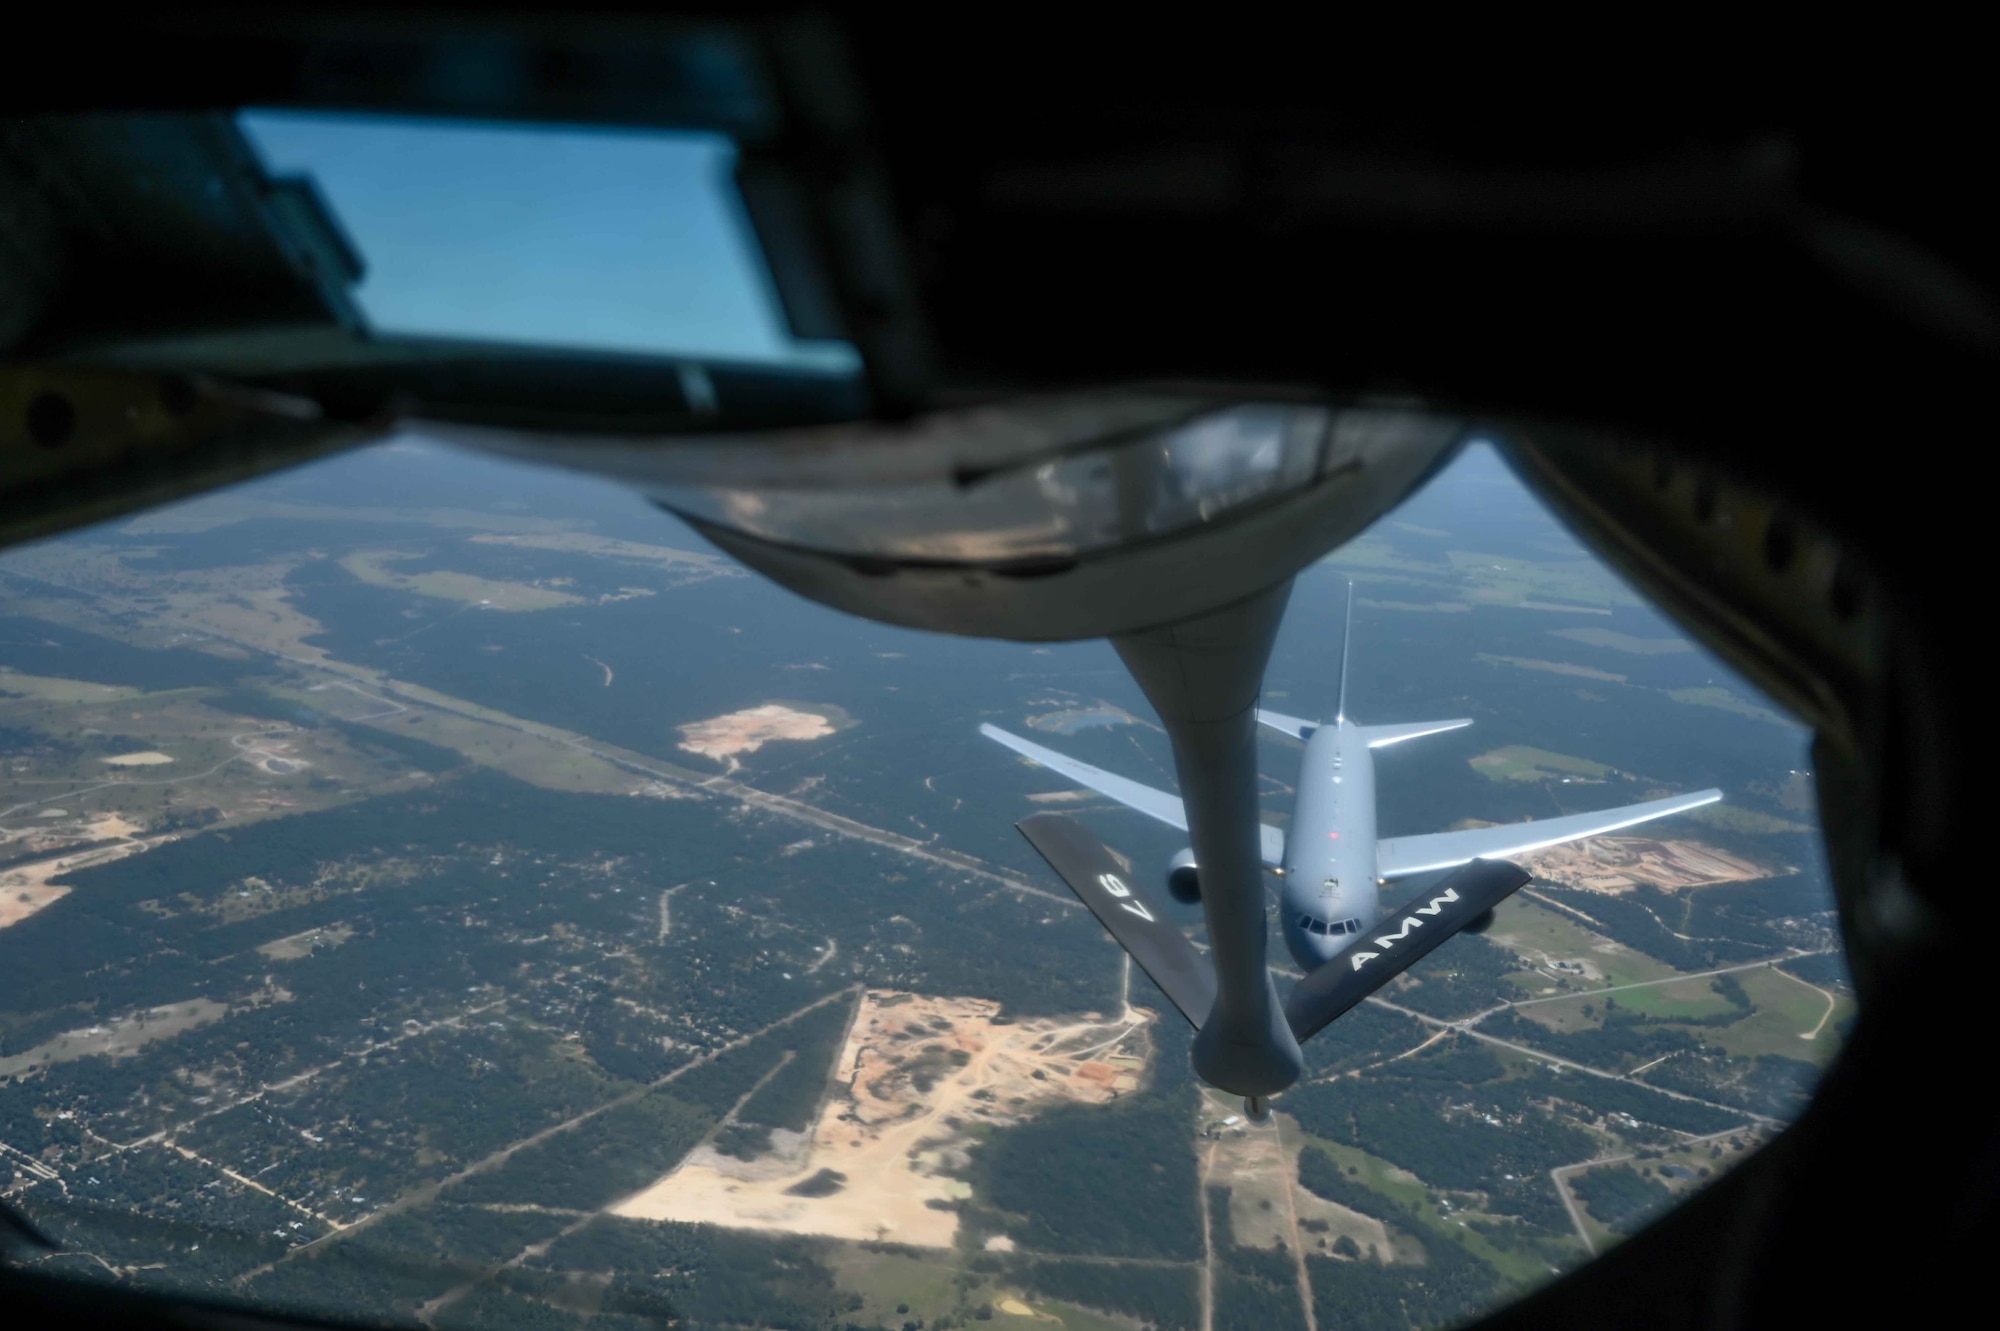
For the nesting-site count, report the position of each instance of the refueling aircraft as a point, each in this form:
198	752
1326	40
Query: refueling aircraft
1333	870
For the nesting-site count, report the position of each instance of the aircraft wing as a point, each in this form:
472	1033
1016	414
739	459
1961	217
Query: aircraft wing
1153	803
1142	929
1399	857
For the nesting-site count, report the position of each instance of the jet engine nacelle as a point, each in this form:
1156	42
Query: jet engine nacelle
1183	880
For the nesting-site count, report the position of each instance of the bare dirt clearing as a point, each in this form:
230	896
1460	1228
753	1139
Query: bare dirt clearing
695	565
150	758
110	825
1553	667
1625	642
1616	864
25	888
294	946
17	903
126	1035
916	1076
374	567
723	737
1259	1164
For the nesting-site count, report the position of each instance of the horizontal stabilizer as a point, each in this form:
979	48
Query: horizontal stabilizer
1141	928
1402	938
1399	857
1382	736
1296	727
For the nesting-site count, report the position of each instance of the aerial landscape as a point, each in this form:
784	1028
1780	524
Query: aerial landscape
435	891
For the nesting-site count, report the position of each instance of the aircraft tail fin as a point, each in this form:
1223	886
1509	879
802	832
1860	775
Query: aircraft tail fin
1346	636
1402	937
1103	882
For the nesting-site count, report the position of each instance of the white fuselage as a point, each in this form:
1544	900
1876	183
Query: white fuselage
1330	889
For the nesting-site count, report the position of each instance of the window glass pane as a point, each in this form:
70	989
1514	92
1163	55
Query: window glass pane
589	238
463	870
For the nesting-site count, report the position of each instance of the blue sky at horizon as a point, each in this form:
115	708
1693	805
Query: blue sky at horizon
569	236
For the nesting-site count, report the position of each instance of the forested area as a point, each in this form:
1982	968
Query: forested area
407	750
1614	1046
1114	1180
38	647
1367	1034
657	1273
510	1302
521	859
386	1270
705	1277
135	1208
1451	1287
491	903
1165	1297
103	946
1634	919
1825	968
1620	1197
354	1281
1465	1065
358	1136
1602	1095
628	1041
1764	913
1256	1289
1323	1176
1465	975
476	1235
633	1145
1358	1296
790	1097
1768	1084
1413	1113
620	1151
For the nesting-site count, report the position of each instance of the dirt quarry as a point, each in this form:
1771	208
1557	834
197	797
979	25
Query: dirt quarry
25	888
1615	864
916	1075
723	737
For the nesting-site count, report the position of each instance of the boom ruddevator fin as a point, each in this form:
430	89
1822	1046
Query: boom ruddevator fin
1142	928
1398	940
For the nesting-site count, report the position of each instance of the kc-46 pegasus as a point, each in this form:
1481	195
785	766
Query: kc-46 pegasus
1334	872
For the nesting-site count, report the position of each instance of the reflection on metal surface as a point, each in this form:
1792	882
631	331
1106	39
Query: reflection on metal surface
1137	489
1063	517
